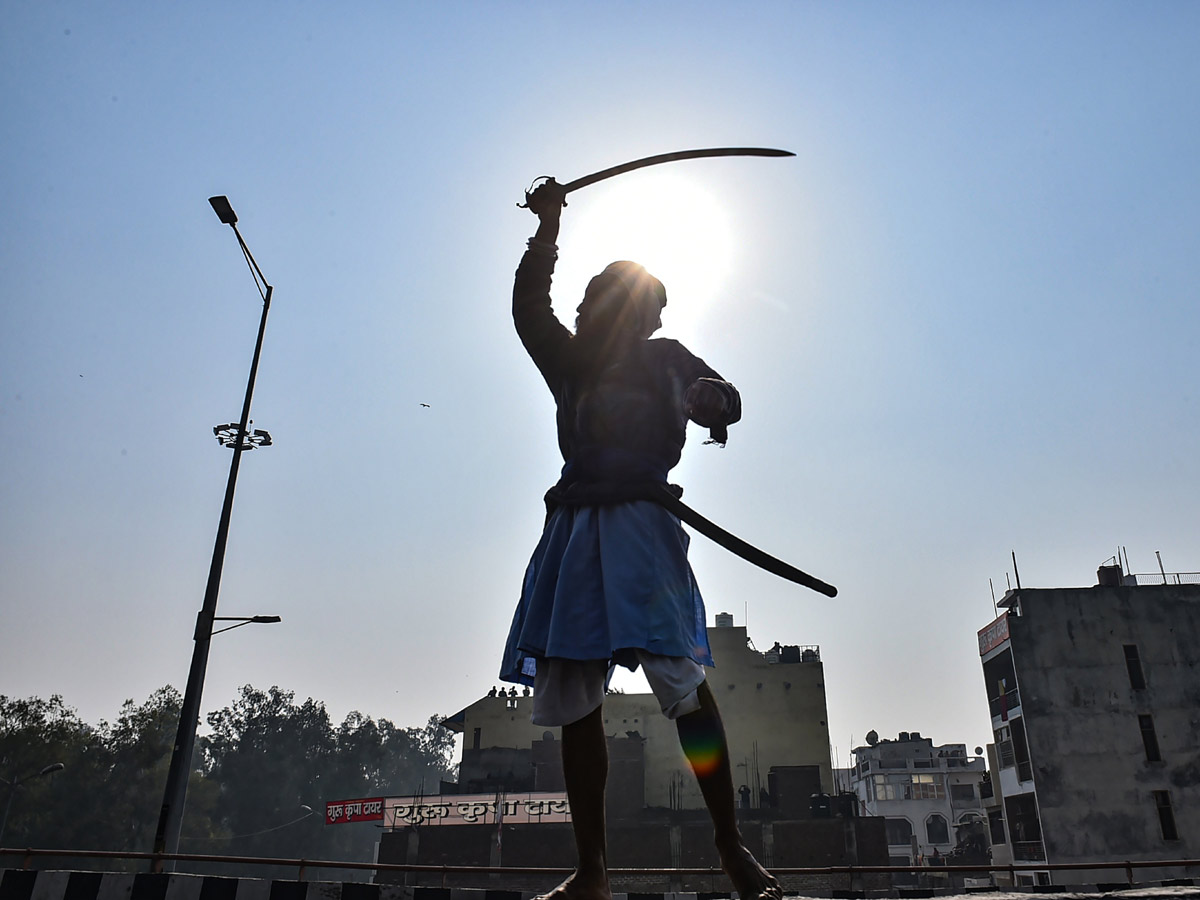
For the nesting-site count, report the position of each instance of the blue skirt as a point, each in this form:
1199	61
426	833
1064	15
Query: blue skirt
605	580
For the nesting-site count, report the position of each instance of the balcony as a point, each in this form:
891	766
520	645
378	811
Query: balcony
1008	758
1012	701
1028	851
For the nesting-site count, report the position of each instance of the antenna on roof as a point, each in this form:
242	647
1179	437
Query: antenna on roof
1008	581
995	609
1016	571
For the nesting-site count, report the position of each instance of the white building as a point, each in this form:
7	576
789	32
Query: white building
928	795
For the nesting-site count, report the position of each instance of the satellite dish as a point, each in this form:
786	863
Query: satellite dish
872	737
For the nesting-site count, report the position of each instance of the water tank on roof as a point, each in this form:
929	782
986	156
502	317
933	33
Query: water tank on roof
724	620
903	736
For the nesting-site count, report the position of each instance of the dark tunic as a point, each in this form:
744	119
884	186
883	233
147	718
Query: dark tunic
608	575
620	415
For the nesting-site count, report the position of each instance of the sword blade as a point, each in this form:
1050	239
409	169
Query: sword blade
671	157
736	545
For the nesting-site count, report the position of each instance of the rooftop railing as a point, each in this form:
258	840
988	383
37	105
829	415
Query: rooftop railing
1161	578
28	855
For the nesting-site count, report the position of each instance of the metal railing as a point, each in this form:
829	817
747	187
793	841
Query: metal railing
1012	700
29	854
1161	578
1008	757
928	764
1028	850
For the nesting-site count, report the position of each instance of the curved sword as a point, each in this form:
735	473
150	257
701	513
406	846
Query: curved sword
655	160
731	542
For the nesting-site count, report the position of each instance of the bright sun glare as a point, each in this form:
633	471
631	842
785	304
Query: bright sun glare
664	221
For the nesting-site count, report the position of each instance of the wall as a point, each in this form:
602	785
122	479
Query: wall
1092	779
503	722
774	714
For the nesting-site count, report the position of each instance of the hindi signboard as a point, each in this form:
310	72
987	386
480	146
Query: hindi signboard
477	809
994	635
452	809
340	812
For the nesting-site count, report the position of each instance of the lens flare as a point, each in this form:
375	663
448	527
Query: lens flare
664	221
703	753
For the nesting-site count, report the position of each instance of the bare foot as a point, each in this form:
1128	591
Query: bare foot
582	886
750	880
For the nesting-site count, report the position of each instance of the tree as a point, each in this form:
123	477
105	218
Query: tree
265	758
270	756
139	748
35	733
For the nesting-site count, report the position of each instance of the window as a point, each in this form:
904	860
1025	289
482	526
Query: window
963	792
926	787
475	738
1004	747
1149	738
899	831
1166	815
936	830
1133	662
1021	750
886	787
996	824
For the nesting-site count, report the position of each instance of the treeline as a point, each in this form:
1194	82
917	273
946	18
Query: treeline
262	773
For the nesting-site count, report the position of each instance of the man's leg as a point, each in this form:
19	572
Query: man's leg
585	771
563	690
702	735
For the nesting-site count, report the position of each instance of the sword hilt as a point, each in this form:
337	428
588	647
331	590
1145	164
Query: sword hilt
533	188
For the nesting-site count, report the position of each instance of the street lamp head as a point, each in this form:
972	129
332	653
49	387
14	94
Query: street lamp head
227	436
223	210
268	620
53	767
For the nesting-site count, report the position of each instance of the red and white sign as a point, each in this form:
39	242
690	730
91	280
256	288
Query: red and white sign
339	812
477	809
994	635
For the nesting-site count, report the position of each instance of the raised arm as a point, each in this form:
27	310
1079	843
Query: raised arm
544	337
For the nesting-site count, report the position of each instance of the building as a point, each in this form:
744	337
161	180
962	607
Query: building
508	808
772	703
1094	696
930	797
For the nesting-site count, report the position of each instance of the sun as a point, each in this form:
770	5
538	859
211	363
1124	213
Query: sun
664	221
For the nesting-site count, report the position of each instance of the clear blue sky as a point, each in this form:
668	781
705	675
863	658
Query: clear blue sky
963	320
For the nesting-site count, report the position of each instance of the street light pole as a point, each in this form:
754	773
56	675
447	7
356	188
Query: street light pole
170	820
16	783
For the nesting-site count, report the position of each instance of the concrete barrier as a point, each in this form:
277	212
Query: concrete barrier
51	884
